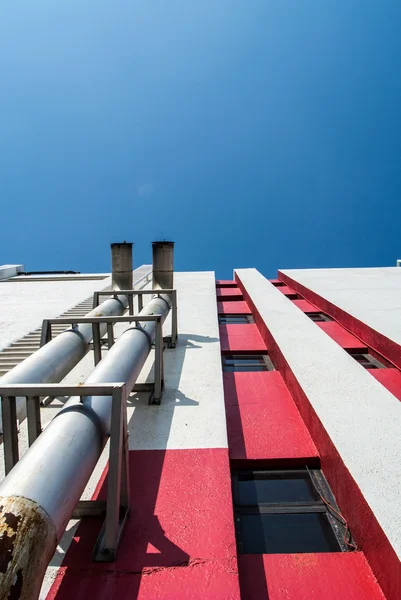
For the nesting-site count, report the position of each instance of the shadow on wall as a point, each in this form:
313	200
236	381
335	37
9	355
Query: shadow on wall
145	548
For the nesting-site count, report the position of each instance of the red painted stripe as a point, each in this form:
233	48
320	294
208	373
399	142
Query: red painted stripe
178	542
331	576
344	338
287	291
233	308
241	338
390	378
364	525
225	283
306	306
224	294
372	338
263	422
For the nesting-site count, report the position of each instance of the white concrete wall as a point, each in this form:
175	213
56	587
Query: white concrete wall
372	295
192	413
361	417
24	305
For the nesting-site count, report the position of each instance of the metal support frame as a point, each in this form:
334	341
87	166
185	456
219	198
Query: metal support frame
155	388
171	340
117	506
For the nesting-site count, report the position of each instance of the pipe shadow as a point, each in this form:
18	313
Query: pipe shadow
145	546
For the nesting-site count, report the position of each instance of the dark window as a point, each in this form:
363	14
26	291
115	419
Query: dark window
286	511
278	283
368	361
319	317
247	362
293	296
227	319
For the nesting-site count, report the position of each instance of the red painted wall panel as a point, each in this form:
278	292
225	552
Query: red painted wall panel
263	422
229	294
305	306
390	378
233	308
241	338
284	289
344	338
331	576
225	283
179	540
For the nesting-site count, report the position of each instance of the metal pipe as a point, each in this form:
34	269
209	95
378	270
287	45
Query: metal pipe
121	266
163	265
52	362
74	441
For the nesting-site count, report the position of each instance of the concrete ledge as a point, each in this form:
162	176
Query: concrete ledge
360	417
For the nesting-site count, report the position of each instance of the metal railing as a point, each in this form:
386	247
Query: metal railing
117	505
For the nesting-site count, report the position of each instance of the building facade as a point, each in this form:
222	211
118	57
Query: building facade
271	467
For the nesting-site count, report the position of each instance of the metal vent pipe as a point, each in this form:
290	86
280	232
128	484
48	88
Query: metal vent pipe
52	362
40	493
163	265
121	266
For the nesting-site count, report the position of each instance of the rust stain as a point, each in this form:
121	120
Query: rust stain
6	550
12	521
27	543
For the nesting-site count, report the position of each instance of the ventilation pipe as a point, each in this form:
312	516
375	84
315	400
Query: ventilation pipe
163	265
121	266
38	497
52	362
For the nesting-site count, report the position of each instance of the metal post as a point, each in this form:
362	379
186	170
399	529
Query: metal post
95	299
34	421
46	333
110	335
10	432
158	388
97	349
174	319
109	544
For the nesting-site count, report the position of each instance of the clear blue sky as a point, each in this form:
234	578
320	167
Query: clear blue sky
260	133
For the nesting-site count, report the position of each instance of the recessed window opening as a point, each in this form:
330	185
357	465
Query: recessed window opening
293	296
287	511
278	283
246	362
368	361
227	319
316	317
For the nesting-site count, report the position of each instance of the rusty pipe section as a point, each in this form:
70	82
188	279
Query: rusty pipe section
52	362
53	473
25	528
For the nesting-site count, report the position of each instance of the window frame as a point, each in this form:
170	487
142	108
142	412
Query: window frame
322	315
371	359
318	481
267	366
248	319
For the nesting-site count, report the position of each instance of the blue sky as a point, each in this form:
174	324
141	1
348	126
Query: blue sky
261	133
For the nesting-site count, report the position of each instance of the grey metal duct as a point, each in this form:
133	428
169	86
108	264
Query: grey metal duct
40	493
52	362
163	265
121	266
